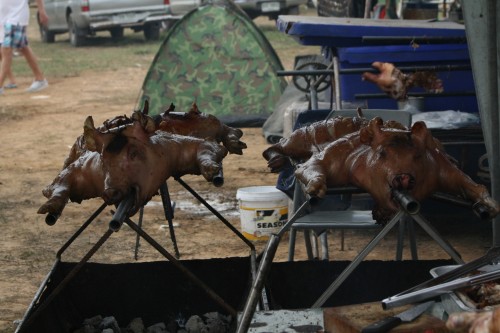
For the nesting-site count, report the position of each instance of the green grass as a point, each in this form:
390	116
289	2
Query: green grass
60	59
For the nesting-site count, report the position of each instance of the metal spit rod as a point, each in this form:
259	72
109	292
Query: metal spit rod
263	270
440	289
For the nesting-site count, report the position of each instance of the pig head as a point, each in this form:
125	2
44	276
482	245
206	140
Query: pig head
379	160
82	176
138	160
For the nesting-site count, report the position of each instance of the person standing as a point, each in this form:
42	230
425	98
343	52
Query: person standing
15	17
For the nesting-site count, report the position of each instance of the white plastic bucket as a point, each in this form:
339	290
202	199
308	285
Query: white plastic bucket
263	211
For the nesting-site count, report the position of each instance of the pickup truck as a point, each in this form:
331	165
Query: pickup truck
82	18
270	8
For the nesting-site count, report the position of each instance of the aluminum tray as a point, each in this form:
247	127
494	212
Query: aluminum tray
458	301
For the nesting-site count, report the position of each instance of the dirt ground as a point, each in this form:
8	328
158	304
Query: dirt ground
36	131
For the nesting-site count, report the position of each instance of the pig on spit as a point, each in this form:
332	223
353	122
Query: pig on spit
379	159
136	160
396	84
82	176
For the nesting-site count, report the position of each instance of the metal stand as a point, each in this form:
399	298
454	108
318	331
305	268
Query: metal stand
120	217
408	208
169	215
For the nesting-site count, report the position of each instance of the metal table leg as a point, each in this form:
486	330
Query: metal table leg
359	258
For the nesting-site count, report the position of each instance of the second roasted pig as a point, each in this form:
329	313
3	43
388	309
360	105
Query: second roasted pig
379	159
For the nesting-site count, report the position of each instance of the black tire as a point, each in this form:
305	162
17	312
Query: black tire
47	36
293	10
116	33
76	37
152	31
314	62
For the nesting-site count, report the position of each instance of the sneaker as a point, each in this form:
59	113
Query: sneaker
10	86
38	85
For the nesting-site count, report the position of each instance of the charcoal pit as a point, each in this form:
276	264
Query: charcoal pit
159	292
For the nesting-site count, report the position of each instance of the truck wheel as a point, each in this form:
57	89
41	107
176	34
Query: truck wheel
152	31
76	38
116	33
293	10
46	35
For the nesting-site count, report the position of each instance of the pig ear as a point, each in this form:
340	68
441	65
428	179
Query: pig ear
171	108
420	131
371	131
137	131
359	113
146	121
194	108
145	107
94	140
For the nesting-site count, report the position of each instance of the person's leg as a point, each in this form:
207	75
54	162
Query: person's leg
21	42
9	75
5	67
32	62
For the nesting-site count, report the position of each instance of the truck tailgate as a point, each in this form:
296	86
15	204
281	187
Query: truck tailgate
104	7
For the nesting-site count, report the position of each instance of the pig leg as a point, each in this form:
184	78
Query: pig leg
453	180
297	146
210	169
313	176
234	145
57	194
83	179
231	140
210	157
479	195
276	161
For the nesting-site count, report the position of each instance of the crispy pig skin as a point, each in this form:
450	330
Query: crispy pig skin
379	159
82	176
141	161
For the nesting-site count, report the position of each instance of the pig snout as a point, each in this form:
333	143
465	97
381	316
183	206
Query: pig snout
112	195
403	181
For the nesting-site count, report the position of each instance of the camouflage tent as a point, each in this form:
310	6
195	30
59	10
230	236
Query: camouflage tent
216	56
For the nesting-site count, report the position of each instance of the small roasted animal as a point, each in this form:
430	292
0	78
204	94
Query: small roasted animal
82	176
137	160
379	159
396	84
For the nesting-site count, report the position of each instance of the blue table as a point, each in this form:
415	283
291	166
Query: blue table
348	32
352	44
